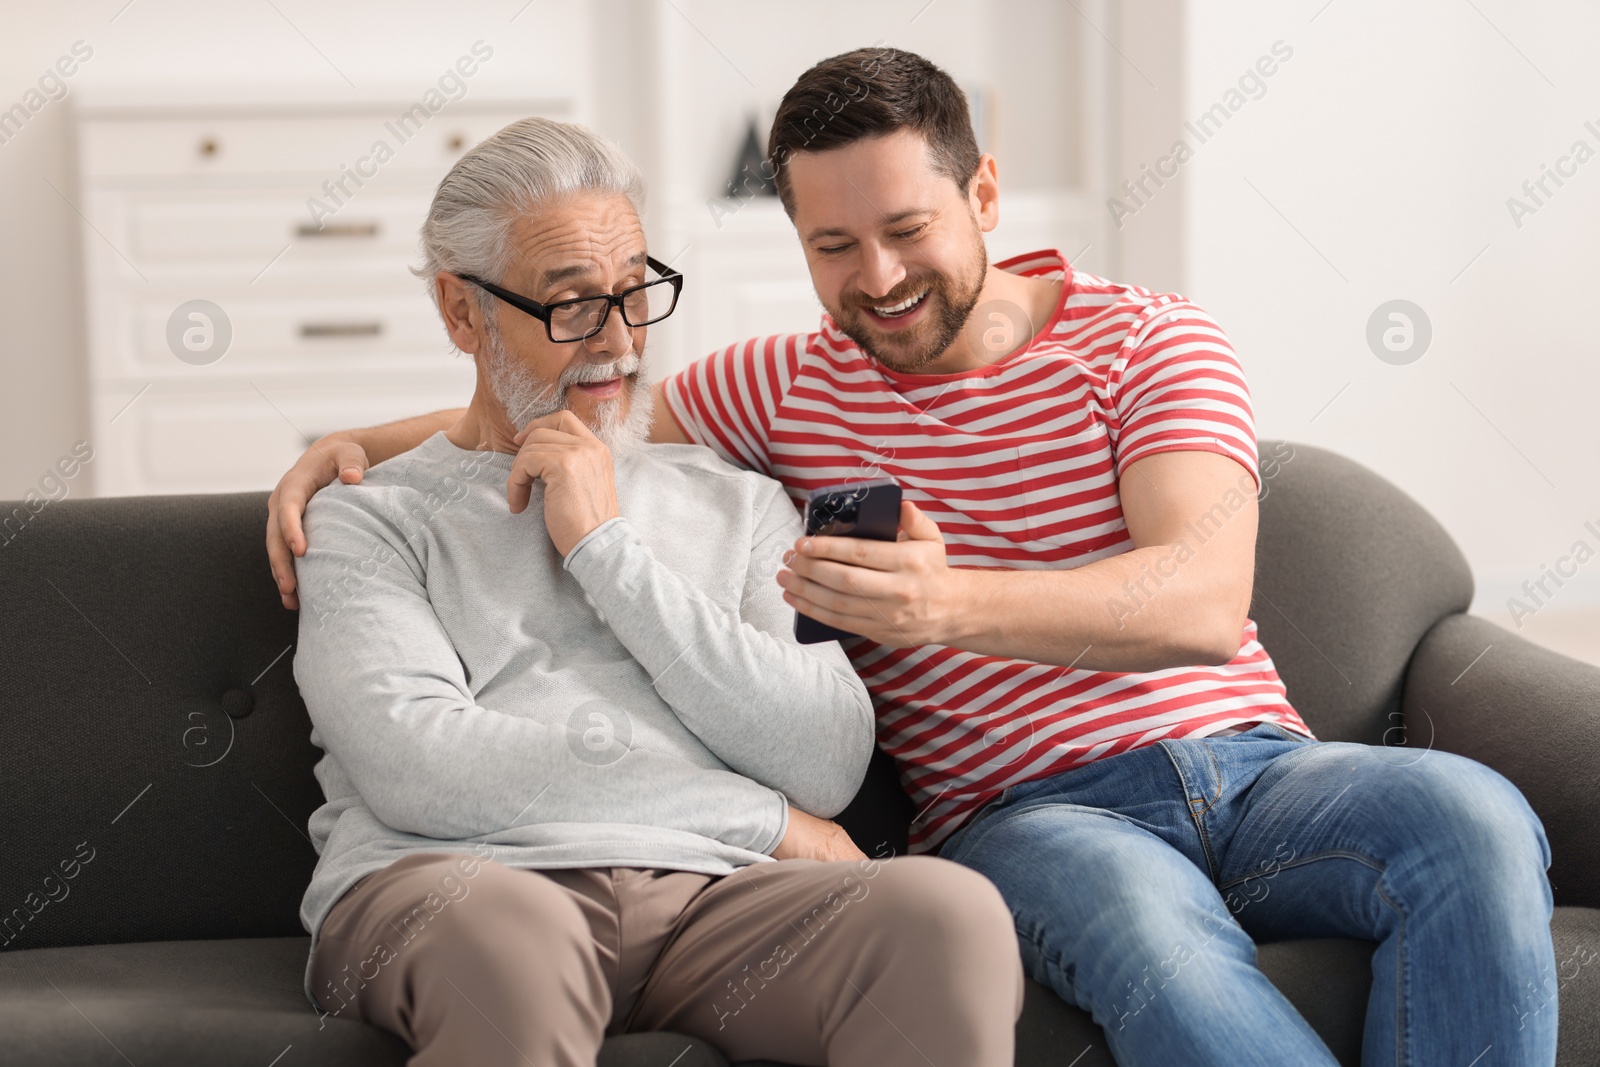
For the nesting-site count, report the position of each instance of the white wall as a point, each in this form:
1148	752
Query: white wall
193	43
740	57
1391	141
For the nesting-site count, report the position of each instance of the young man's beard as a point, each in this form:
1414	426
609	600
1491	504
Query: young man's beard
526	397
950	303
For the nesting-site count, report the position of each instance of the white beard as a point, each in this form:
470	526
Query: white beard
525	397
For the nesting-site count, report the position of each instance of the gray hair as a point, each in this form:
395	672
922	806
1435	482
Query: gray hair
524	166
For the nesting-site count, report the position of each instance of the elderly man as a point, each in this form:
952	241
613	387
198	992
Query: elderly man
568	736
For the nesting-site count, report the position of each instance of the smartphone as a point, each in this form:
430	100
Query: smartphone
859	509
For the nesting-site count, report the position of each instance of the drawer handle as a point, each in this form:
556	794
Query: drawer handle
341	329
338	229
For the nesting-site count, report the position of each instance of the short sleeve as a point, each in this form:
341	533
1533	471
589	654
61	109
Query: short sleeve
727	400
1178	386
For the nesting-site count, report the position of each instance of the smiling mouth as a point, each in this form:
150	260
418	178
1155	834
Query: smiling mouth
902	309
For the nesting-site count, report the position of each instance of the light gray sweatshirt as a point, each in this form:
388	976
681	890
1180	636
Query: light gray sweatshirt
640	703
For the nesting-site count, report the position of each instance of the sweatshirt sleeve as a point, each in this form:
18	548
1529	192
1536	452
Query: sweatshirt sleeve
390	701
794	717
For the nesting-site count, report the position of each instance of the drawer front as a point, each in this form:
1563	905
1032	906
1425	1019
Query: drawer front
213	226
233	439
310	334
238	146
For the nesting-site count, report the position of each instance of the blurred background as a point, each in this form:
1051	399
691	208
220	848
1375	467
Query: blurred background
1393	210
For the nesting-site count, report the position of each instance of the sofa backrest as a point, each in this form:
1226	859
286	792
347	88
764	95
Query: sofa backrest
137	807
159	761
1350	573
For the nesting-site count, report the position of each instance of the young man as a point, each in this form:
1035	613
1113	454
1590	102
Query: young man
1058	647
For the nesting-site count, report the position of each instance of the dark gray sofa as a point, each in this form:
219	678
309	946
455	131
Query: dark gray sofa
156	748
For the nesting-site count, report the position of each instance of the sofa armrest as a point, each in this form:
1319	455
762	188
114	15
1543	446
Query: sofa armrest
1531	714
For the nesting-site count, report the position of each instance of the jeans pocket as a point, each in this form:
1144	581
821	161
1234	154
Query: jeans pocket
1287	735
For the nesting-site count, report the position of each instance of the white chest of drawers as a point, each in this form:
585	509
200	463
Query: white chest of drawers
286	221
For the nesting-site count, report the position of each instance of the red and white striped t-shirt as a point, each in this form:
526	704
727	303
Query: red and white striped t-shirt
1017	463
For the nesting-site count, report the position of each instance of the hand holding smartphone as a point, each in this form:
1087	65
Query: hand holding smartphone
859	509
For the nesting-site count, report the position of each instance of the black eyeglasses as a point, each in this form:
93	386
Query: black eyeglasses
584	316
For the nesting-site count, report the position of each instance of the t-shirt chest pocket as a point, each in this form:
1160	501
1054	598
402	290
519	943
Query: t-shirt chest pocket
1068	487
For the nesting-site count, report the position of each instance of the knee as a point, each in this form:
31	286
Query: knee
948	923
925	895
1139	937
943	907
1484	835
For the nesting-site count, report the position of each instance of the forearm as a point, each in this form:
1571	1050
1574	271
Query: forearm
388	440
793	717
440	765
1147	609
390	700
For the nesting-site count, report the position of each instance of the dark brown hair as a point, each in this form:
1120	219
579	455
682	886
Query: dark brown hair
868	93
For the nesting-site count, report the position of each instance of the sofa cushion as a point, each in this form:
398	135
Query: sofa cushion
240	1001
201	1003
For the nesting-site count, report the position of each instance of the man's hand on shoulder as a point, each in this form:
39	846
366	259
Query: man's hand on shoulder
811	838
580	490
314	469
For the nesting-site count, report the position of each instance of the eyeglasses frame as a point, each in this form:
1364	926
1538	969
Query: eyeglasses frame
542	312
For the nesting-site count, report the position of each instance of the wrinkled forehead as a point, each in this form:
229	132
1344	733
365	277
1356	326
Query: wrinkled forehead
577	236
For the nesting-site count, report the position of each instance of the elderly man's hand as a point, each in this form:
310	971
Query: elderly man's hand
580	490
811	838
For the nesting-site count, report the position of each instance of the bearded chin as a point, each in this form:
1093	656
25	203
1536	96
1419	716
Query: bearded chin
624	433
525	397
954	299
950	313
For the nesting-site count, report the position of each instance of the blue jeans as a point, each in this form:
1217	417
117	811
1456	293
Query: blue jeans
1139	883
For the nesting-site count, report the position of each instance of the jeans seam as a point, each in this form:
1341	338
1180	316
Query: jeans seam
1301	861
1052	962
1216	769
1401	1019
1199	821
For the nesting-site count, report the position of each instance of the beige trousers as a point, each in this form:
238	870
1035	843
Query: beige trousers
876	963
